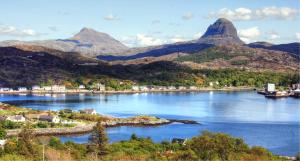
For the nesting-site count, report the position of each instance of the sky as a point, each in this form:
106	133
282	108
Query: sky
149	22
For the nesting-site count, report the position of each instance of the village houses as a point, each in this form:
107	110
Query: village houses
16	118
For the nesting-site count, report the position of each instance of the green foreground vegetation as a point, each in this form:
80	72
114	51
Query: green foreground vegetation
207	146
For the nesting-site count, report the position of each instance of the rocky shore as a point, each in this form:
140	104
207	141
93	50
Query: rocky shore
88	127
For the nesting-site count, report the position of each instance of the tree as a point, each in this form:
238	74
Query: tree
25	142
2	133
133	137
98	140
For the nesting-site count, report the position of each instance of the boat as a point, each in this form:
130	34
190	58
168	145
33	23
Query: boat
277	94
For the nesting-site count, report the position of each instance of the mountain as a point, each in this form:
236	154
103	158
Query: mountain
88	42
293	48
222	32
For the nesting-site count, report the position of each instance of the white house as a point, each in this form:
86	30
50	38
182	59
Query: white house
270	87
58	88
47	88
81	86
16	118
144	88
49	118
193	88
6	89
2	143
35	88
171	88
135	88
101	87
22	89
89	111
181	88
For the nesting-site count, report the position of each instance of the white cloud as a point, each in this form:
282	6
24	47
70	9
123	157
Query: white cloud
297	35
249	34
274	36
13	31
244	14
198	35
142	40
188	16
177	38
111	17
145	40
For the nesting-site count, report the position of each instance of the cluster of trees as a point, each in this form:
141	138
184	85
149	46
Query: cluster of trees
212	54
69	114
207	146
237	77
7	124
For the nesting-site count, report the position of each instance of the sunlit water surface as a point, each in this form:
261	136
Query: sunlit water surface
271	123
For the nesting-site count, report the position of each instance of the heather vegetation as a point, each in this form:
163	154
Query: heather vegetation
207	146
211	54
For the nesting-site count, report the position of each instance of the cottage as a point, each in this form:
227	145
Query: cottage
89	111
181	88
211	84
58	88
6	89
47	88
270	87
99	87
102	87
81	86
193	88
171	88
16	118
22	89
144	88
135	88
296	86
2	143
49	118
36	88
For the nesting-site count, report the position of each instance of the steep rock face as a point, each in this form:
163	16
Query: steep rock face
222	32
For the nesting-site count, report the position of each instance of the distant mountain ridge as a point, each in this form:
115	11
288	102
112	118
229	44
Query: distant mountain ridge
293	48
93	44
88	42
221	33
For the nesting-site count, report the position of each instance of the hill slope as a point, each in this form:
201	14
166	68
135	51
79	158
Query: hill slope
88	42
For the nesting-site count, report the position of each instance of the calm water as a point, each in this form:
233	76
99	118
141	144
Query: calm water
274	124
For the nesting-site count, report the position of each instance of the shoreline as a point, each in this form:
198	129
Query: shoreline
87	128
131	91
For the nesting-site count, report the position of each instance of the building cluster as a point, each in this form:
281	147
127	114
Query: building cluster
95	87
270	91
37	88
162	88
31	117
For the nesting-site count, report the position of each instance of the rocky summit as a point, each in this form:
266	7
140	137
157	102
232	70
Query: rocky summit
222	32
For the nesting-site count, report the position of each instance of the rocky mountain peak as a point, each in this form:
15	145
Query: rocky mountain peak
221	32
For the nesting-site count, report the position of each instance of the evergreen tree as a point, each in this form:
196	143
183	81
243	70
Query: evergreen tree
98	140
26	146
2	133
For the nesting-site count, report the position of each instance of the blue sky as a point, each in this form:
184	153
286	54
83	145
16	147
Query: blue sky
149	22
